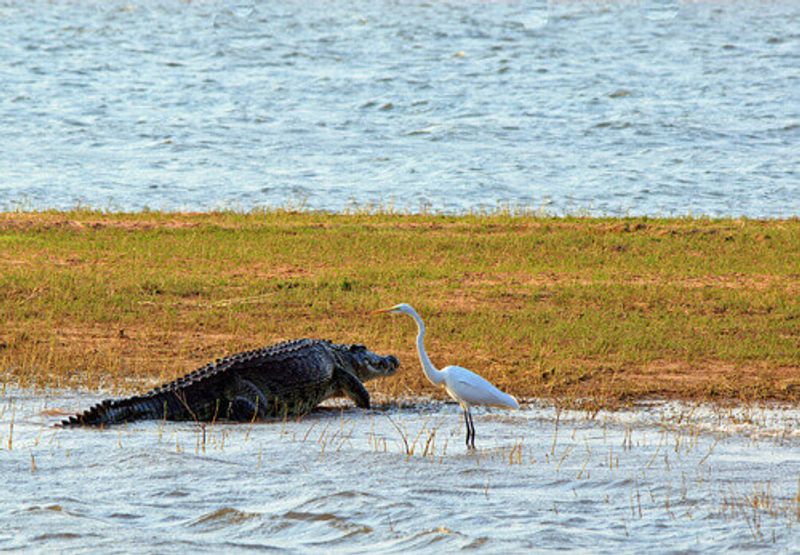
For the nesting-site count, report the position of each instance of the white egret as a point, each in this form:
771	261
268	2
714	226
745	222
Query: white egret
461	384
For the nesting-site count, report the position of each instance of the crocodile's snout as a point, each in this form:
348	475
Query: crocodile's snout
383	365
367	365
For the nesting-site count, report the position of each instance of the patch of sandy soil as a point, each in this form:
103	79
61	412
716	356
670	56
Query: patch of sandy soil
729	281
137	359
25	222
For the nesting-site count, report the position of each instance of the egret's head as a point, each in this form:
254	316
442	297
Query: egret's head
401	308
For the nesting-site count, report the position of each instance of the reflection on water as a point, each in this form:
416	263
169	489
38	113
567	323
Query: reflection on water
663	476
610	106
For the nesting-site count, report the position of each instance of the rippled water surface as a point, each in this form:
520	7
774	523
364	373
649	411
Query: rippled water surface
660	478
654	106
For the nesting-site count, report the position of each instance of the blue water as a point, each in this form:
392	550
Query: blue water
652	107
664	478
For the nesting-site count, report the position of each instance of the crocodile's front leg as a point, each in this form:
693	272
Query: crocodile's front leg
352	387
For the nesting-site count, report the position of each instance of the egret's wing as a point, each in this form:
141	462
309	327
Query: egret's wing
469	387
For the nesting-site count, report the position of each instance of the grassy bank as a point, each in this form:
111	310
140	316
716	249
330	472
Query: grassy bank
610	309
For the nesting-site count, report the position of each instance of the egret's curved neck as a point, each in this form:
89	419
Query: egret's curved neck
435	376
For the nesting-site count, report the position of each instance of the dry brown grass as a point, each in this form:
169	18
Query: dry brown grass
586	311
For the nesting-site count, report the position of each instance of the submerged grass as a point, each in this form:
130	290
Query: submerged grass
596	310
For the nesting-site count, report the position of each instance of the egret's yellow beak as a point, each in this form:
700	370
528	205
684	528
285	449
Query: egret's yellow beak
382	310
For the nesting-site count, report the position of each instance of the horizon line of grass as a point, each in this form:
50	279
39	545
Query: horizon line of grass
501	209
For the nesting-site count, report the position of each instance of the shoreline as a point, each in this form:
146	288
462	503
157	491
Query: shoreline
592	312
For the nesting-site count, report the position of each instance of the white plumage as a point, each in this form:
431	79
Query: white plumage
463	385
467	387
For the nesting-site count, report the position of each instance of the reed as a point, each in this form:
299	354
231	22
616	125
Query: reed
756	505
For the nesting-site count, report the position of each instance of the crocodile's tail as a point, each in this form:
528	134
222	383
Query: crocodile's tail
151	407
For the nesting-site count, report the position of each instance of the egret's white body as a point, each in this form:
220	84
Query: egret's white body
468	388
461	384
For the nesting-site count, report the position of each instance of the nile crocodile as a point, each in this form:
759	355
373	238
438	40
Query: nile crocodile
286	379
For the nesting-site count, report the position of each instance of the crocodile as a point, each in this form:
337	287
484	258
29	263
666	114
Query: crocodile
282	380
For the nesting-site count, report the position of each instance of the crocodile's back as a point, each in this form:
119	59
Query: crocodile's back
290	378
287	378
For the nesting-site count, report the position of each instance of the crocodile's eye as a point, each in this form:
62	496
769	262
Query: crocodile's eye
358	348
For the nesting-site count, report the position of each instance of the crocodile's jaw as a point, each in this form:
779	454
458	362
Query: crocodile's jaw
367	365
385	366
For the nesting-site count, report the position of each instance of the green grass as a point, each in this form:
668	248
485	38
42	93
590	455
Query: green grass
600	308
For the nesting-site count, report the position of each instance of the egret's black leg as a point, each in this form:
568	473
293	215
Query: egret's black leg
466	419
472	423
472	427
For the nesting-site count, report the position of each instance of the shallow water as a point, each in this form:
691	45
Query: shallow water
618	106
662	477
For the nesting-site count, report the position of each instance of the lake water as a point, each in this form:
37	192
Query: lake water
661	478
661	107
